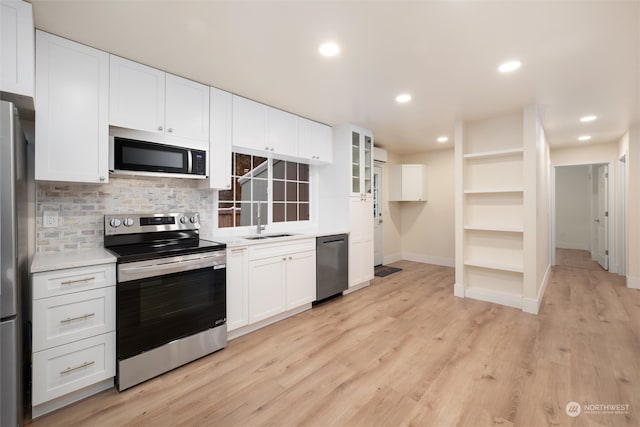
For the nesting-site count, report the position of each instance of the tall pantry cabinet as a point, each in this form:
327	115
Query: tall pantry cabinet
346	197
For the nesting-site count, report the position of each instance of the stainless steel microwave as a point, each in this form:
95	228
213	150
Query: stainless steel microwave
134	157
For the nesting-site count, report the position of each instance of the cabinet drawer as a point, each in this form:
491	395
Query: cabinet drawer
281	248
60	282
67	318
70	367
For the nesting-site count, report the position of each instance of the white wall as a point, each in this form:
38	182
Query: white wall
631	143
543	226
427	229
573	207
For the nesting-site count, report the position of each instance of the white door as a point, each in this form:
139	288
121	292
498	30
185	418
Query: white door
602	220
377	216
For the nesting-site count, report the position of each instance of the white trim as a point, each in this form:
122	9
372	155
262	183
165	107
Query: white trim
633	282
532	306
571	245
388	259
356	287
458	290
502	298
68	399
266	322
427	259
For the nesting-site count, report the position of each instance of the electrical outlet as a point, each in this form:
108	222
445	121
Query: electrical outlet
50	219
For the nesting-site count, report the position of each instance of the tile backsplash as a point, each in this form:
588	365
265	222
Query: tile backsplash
81	207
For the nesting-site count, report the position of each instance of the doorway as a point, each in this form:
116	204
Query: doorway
378	253
582	225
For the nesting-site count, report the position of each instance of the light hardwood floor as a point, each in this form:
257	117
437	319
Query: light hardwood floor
402	352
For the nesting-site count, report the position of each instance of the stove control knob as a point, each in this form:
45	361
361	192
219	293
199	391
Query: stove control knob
194	219
183	220
128	222
115	222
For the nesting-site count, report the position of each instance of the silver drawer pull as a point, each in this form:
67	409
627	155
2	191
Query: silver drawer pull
73	282
73	319
84	365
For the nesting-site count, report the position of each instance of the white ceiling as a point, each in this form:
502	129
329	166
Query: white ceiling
578	58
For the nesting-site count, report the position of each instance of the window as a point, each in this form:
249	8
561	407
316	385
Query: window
253	179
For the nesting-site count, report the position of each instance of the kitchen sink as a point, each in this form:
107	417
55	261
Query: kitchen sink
268	236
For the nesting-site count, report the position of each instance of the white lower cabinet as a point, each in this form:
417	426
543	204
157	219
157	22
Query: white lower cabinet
237	288
73	332
281	277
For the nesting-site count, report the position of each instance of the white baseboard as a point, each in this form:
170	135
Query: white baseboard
235	333
426	259
392	258
633	282
532	305
571	245
356	287
495	297
458	290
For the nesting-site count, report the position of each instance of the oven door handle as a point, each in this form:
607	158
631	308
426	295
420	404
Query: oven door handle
143	270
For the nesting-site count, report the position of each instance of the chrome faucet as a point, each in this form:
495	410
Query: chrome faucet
259	226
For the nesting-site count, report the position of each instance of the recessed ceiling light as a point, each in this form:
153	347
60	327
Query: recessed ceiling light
584	138
509	66
587	119
443	139
329	49
405	97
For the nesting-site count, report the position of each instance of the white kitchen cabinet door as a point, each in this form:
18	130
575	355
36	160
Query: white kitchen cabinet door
187	110
249	124
72	108
16	48
237	288
282	132
407	183
314	141
266	288
301	279
361	241
220	139
136	96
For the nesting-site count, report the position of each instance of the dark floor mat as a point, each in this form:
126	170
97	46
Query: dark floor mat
385	270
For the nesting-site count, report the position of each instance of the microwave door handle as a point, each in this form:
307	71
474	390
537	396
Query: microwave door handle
189	161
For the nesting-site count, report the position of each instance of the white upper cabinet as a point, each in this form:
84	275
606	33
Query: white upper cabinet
72	109
407	183
146	99
220	139
314	141
249	124
187	108
136	96
282	132
16	48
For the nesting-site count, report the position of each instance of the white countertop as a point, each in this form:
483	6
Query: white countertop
70	259
237	241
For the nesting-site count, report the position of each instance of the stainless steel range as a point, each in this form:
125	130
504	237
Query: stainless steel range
170	295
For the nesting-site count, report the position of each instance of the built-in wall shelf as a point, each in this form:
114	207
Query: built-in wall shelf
495	266
494	153
494	228
494	190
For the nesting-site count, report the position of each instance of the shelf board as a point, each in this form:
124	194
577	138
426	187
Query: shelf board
495	190
495	153
495	228
495	266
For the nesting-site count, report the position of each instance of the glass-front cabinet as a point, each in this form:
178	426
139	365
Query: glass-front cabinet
361	163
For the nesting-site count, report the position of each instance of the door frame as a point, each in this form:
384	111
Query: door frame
611	208
379	164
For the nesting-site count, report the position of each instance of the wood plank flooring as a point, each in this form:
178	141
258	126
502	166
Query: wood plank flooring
406	352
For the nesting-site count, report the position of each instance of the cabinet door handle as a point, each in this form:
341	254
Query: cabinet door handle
73	319
73	282
170	130
290	258
284	258
84	365
160	128
237	251
102	178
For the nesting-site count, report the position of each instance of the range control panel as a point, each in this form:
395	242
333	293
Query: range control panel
148	223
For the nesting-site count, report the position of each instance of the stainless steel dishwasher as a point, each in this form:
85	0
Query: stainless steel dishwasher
332	265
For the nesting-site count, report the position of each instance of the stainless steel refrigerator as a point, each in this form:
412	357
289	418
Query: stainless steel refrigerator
14	220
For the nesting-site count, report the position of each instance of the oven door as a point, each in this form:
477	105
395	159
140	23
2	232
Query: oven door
153	311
